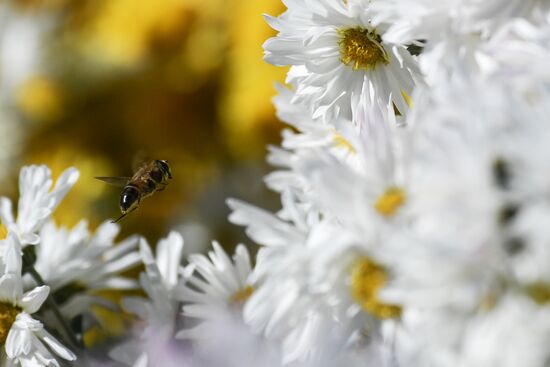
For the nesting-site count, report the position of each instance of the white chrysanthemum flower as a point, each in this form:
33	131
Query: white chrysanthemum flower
340	61
452	33
519	43
26	340
305	139
218	290
283	307
162	282
477	212
75	263
370	193
295	305
213	305
37	201
414	20
515	333
307	288
361	206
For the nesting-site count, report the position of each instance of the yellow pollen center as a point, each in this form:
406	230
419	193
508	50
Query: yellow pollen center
392	199
361	48
341	142
3	232
241	295
367	278
8	313
538	292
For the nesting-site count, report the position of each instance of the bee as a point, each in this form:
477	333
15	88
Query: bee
149	178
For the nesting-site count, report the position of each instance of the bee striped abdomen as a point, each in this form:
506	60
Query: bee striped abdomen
129	198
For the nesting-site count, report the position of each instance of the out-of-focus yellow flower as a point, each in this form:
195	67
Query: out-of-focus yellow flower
246	110
122	32
113	324
204	49
40	99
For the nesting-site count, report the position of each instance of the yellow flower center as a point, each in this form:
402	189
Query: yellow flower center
390	201
3	232
367	278
241	295
341	142
361	48
538	292
407	98
8	313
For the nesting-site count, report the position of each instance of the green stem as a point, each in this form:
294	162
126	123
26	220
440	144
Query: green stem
75	343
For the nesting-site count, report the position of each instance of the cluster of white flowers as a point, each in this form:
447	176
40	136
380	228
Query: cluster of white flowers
415	190
414	185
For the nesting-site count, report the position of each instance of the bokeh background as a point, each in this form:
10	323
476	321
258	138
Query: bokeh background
97	83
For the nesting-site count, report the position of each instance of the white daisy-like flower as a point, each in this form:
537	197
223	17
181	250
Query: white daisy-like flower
478	209
306	137
306	287
414	20
214	298
37	201
219	287
282	306
451	33
26	340
514	333
361	206
370	193
162	282
339	59
75	263
519	43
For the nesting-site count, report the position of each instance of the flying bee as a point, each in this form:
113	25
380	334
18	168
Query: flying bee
149	178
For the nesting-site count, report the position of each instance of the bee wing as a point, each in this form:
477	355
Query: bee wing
140	159
115	181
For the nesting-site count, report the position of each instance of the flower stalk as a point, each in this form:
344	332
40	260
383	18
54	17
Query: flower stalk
29	259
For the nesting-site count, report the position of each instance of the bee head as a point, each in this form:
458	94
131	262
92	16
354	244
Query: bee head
129	199
164	168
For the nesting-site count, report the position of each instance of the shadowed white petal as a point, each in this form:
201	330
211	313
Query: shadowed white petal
10	288
30	238
19	342
56	346
12	255
64	183
141	361
127	245
145	252
169	251
262	226
6	211
116	283
32	301
242	263
137	306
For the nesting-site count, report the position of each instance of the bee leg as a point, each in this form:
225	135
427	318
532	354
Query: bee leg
119	218
123	215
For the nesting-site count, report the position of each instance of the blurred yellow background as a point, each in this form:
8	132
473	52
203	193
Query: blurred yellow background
93	84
